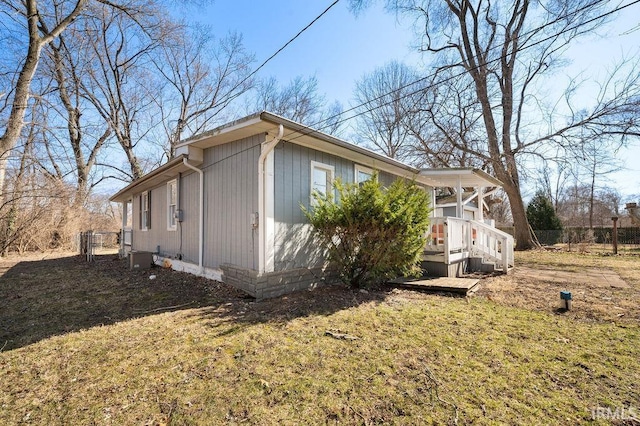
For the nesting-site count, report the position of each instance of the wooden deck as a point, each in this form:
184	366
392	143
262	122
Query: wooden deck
437	284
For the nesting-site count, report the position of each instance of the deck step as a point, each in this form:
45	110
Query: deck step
488	267
437	284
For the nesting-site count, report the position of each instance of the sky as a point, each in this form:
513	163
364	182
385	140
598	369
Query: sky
340	48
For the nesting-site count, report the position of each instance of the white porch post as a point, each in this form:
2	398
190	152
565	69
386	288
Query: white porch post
480	204
433	202
459	211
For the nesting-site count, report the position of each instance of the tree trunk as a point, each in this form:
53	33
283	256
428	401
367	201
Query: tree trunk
522	233
21	98
506	170
15	122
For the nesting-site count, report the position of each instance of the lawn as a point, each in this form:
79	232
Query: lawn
98	344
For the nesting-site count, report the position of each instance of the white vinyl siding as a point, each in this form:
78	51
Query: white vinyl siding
172	202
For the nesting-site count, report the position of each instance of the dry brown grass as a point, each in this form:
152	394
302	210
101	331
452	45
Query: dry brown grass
594	300
224	359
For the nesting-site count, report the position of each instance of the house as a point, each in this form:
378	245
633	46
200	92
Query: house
228	206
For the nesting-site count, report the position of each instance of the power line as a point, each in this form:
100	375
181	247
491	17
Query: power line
311	128
283	46
264	63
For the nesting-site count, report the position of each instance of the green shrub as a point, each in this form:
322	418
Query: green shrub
541	214
372	233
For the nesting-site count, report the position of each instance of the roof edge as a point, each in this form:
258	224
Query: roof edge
461	170
310	131
119	196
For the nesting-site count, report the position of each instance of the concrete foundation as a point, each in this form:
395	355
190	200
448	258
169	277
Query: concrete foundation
476	264
273	284
439	269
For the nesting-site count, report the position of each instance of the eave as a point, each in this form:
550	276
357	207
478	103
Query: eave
152	179
468	177
267	123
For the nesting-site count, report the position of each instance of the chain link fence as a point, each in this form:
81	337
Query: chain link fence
92	243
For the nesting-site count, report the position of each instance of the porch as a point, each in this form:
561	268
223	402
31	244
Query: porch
460	239
457	246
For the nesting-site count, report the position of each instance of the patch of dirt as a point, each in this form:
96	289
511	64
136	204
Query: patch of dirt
598	295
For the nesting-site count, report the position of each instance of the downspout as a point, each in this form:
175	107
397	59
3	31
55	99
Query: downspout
124	226
266	149
201	230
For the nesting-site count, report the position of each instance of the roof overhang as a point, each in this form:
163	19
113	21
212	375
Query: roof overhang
151	179
468	177
268	123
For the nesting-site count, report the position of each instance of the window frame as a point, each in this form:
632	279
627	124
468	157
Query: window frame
172	222
331	176
145	215
359	168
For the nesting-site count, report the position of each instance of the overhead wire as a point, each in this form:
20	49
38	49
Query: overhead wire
312	127
284	46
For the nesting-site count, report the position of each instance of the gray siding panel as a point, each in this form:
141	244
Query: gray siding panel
294	246
184	240
189	198
157	234
231	196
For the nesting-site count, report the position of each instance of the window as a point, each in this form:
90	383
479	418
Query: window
145	210
321	178
172	204
363	174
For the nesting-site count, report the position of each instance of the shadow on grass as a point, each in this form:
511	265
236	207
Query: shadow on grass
233	318
44	298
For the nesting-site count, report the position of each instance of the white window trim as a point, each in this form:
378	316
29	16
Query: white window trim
322	166
144	195
358	168
175	222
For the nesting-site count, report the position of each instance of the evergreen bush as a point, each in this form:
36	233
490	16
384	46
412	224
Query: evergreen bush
372	233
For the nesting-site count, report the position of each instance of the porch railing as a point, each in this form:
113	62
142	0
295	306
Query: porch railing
127	234
449	237
492	244
126	240
453	239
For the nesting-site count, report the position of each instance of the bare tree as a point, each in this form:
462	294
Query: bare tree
86	141
120	85
203	77
298	101
612	198
499	209
41	23
384	100
504	50
578	207
41	30
330	121
443	119
596	159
